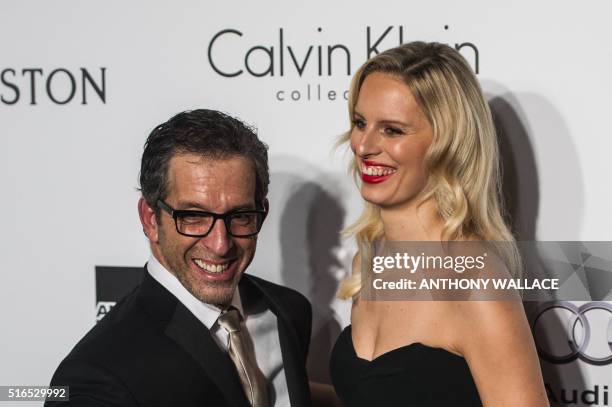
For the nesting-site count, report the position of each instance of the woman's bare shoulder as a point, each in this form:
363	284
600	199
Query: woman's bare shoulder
494	317
496	341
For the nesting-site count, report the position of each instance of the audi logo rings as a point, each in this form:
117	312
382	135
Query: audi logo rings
577	348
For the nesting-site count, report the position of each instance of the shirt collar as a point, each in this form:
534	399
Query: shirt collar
206	313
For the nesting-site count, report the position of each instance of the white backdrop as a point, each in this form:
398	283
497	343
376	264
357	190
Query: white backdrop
69	172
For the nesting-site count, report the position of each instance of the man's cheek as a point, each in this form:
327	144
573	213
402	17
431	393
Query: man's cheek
247	256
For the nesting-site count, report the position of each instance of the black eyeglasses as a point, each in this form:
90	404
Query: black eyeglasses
239	223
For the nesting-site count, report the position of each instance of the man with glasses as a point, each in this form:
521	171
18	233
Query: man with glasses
198	331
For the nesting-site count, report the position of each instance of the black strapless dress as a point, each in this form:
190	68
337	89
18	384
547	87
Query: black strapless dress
413	375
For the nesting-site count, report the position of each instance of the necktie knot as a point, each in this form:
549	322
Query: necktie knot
230	320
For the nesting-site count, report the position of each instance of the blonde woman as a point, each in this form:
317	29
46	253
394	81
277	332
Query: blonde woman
426	156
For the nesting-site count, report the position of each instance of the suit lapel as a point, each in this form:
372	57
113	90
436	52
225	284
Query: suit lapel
189	333
294	365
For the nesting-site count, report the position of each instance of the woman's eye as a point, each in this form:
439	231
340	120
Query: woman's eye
360	124
393	131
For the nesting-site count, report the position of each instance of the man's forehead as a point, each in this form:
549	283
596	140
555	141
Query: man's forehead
195	174
190	164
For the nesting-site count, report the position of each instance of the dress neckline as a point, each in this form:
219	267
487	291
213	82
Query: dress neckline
349	330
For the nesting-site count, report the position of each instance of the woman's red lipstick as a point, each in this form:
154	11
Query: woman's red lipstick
375	179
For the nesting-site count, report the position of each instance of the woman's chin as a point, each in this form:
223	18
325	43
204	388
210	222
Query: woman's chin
388	201
375	198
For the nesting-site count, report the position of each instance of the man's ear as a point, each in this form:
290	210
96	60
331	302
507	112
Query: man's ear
148	220
266	205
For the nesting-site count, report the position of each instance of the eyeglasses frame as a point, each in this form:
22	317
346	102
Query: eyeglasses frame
176	213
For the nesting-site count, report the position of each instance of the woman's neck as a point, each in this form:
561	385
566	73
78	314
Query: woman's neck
412	222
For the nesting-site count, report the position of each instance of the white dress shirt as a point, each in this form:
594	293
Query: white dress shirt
262	330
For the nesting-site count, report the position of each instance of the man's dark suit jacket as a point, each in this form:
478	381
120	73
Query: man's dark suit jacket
150	350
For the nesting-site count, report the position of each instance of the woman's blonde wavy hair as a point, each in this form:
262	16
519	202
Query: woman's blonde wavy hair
463	159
